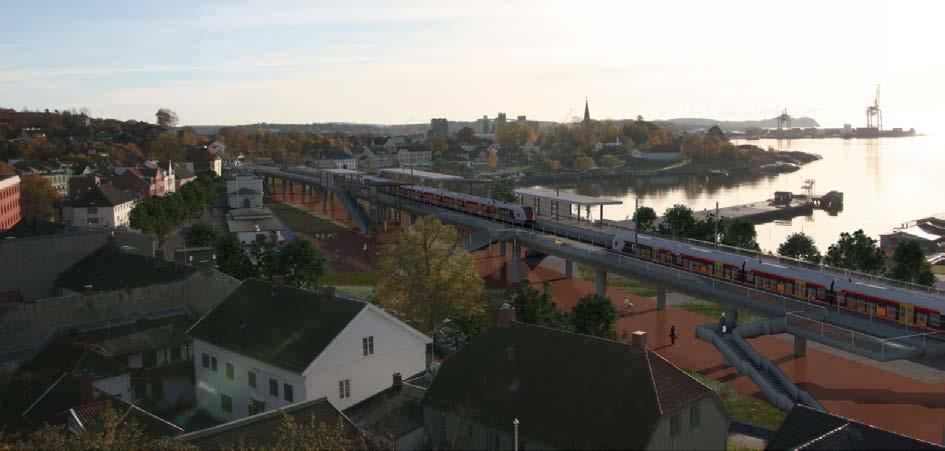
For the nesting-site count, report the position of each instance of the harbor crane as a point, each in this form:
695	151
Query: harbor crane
874	115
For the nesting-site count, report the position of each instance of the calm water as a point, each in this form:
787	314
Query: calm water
885	182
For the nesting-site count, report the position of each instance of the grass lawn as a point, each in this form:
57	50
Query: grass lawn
358	291
619	282
303	221
938	269
714	311
743	407
352	278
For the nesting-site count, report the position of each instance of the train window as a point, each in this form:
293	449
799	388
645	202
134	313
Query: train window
921	318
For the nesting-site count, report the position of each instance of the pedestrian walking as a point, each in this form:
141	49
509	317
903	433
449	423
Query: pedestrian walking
365	248
722	323
672	334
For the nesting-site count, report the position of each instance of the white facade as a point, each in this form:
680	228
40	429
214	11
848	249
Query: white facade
342	372
104	217
414	157
244	191
118	385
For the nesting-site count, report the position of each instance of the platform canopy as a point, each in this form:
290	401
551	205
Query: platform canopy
342	171
380	181
424	175
570	198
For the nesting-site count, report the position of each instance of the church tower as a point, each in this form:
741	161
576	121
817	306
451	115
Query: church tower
587	114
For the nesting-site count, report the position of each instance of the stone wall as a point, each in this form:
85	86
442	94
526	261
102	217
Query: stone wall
25	328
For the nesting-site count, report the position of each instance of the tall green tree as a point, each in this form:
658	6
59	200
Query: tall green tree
740	234
645	217
201	234
595	315
677	221
801	246
232	258
910	265
536	307
166	118
301	264
857	252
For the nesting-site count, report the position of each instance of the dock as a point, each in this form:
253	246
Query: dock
761	211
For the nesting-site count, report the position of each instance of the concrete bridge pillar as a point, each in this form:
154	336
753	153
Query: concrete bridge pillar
284	184
515	263
502	248
303	193
324	200
661	297
601	281
569	268
800	346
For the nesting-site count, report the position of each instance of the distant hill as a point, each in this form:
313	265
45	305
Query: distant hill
691	123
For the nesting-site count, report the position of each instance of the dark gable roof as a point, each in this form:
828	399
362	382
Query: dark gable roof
150	425
806	428
566	389
103	196
110	269
262	429
284	326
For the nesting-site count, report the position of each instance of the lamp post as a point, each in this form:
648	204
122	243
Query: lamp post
515	425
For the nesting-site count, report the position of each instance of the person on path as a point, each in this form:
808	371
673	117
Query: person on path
722	323
672	334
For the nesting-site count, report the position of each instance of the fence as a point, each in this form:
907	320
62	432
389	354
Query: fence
883	349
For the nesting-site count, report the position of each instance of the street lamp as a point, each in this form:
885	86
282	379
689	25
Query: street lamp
515	425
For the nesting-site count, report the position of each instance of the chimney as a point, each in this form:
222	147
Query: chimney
398	381
510	354
639	340
85	388
278	279
328	291
506	316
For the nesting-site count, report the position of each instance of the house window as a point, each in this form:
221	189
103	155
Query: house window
93	220
274	388
213	364
92	210
344	388
226	403
256	406
367	345
674	425
175	353
205	360
695	417
287	392
229	371
251	379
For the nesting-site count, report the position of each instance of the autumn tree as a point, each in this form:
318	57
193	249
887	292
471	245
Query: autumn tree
610	162
582	163
910	265
38	199
594	315
109	430
553	165
492	159
6	169
857	252
801	246
465	135
166	118
165	147
315	435
428	275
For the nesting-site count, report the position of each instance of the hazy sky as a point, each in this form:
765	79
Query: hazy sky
396	62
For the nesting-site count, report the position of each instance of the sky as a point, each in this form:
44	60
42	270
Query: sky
387	62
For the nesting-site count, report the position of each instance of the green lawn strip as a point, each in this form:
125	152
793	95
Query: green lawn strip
357	291
619	282
741	406
304	221
938	269
714	311
352	278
